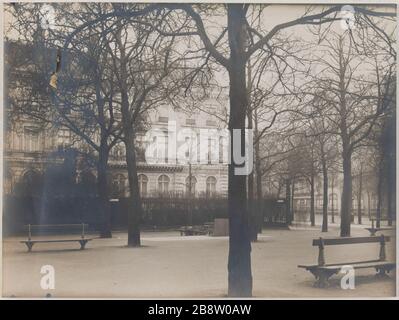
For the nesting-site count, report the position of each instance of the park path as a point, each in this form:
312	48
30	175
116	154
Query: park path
172	266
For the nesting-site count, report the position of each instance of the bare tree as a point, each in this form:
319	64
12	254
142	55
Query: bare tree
146	68
239	50
82	99
353	107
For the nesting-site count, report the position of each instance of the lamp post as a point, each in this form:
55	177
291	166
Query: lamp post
190	211
190	181
332	200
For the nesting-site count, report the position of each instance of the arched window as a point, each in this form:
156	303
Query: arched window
210	186
31	139
143	181
118	185
193	184
163	184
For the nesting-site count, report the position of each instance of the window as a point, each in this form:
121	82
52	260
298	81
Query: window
163	184
119	152
118	185
188	144
211	109
211	123
163	119
140	148
318	202
164	148
221	146
31	140
63	138
154	152
212	147
210	186
143	181
193	184
160	152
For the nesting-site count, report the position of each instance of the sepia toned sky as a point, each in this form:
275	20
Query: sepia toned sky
272	15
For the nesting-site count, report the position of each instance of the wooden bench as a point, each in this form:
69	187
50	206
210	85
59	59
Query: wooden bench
193	231
82	240
323	271
373	230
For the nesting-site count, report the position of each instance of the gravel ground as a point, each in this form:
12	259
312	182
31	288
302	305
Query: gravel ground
170	266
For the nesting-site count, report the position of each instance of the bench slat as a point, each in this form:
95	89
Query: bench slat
55	225
380	229
310	266
360	265
349	240
65	240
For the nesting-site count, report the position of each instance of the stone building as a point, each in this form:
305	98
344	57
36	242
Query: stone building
198	153
29	148
198	138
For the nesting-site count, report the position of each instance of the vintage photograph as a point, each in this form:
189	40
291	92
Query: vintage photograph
199	150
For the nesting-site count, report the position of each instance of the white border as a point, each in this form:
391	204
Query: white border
298	2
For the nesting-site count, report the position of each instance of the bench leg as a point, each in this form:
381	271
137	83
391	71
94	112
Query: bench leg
322	280
82	244
382	271
29	245
322	277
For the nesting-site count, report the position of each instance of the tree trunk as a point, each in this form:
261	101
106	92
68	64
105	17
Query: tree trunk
190	194
390	204
332	201
369	204
312	211
239	264
259	195
102	167
253	224
346	199
324	227
292	206
359	196
391	188
251	209
288	200
134	207
102	186
379	194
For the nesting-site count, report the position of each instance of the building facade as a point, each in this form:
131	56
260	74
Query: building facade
177	154
30	148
